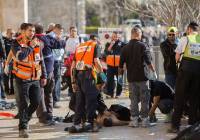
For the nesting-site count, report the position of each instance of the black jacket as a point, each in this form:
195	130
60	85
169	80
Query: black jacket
116	49
168	52
2	51
8	44
134	54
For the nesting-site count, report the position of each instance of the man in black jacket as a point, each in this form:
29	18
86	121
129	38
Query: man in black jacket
134	55
168	51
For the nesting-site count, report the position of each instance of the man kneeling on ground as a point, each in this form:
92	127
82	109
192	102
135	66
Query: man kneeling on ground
162	96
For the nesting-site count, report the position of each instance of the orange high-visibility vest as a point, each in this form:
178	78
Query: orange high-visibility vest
85	52
113	60
30	67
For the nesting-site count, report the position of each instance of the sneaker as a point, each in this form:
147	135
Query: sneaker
153	119
66	128
173	130
145	122
47	123
58	119
23	133
116	97
134	122
88	127
75	129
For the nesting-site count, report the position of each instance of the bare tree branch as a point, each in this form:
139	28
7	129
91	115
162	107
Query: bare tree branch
171	12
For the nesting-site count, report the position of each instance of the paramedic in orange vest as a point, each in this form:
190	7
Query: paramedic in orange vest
30	72
112	52
84	85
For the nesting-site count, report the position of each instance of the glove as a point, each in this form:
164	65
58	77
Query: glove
154	77
103	77
6	70
120	79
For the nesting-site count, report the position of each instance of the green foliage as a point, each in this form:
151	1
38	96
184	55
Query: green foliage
91	29
92	15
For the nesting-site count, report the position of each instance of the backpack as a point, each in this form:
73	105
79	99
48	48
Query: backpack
190	133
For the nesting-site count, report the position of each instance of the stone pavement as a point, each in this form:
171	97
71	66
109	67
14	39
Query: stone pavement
9	131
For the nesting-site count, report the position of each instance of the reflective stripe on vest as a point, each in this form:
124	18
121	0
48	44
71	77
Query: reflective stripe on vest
192	50
85	51
29	68
113	60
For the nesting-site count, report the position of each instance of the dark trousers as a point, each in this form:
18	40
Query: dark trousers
86	97
111	72
28	91
187	90
8	83
45	108
170	79
70	89
2	92
166	106
57	78
41	111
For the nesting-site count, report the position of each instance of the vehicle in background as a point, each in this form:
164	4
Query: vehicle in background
133	22
85	37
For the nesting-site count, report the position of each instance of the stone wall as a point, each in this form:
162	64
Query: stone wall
65	12
11	13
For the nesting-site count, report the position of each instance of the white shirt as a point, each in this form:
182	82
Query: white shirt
181	45
71	45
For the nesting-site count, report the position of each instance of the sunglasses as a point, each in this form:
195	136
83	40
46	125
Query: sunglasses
170	34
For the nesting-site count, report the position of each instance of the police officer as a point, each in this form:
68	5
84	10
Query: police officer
29	69
188	79
84	85
112	52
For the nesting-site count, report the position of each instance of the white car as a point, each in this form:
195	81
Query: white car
133	22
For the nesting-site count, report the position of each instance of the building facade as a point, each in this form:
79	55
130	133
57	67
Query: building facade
66	12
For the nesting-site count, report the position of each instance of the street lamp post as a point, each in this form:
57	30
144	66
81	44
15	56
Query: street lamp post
26	11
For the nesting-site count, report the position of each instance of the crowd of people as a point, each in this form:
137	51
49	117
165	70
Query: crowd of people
31	62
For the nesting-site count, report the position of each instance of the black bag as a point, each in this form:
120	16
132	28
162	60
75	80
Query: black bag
190	133
123	113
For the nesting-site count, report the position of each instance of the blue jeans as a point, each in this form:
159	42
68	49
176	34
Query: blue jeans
57	78
170	79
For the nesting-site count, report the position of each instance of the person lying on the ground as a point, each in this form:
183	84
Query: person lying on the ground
162	96
101	105
101	108
108	118
116	115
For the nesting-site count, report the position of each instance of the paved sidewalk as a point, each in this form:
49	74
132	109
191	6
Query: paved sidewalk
9	131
